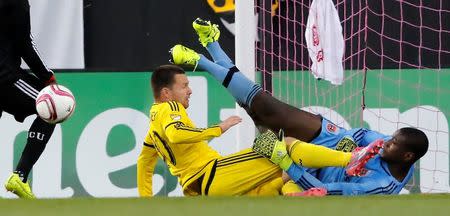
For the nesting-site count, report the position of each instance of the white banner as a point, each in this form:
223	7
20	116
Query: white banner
57	28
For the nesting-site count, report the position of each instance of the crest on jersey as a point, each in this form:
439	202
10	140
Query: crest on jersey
175	117
346	144
153	116
332	128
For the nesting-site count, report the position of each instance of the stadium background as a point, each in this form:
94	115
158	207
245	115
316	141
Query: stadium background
109	49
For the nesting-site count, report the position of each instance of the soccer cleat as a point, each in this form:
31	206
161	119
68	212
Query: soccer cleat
360	157
207	32
273	147
15	185
181	55
314	192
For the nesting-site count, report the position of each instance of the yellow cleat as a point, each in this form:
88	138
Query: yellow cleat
16	186
207	32
273	147
181	55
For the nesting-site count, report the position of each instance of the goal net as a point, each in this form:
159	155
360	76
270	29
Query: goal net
397	71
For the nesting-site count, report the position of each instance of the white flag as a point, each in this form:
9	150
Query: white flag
325	41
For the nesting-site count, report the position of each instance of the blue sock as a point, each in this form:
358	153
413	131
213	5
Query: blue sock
242	89
218	55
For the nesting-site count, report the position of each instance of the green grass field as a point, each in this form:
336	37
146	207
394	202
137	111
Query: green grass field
408	205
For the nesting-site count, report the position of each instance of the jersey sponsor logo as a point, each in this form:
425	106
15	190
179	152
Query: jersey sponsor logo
346	144
332	128
175	117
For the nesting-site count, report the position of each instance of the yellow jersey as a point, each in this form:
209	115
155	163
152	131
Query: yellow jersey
175	138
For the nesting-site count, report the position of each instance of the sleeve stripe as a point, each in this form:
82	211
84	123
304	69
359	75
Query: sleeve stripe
357	134
361	135
167	147
149	145
381	189
171	124
180	126
335	192
303	185
306	183
392	189
190	129
387	191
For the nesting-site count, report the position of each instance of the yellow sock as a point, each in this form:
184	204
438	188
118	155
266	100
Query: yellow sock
315	156
290	187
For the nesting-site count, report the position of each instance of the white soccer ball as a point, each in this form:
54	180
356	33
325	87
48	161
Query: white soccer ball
55	103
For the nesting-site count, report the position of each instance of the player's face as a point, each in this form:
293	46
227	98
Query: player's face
394	150
180	91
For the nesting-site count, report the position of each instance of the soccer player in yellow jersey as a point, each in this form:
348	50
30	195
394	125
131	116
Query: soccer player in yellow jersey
200	169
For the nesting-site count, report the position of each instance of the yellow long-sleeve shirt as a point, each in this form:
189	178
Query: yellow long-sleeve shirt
174	137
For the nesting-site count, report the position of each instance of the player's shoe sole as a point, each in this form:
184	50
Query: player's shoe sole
16	186
360	157
181	55
206	31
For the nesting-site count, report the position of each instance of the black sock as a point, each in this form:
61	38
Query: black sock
38	136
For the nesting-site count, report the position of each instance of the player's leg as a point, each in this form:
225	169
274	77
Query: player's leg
241	173
262	107
241	88
266	110
21	103
274	147
208	35
309	155
276	115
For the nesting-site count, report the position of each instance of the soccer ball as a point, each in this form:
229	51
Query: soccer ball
55	103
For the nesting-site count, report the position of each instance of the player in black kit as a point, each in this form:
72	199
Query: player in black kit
18	88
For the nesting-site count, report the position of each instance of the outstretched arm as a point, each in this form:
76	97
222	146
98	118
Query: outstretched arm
178	131
372	186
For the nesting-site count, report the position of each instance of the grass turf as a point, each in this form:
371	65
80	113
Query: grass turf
408	205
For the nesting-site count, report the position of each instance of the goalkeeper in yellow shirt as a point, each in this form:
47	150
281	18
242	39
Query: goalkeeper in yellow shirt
200	169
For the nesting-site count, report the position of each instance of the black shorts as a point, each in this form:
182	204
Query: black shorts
19	97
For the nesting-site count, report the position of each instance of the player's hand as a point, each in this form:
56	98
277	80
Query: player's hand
229	122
